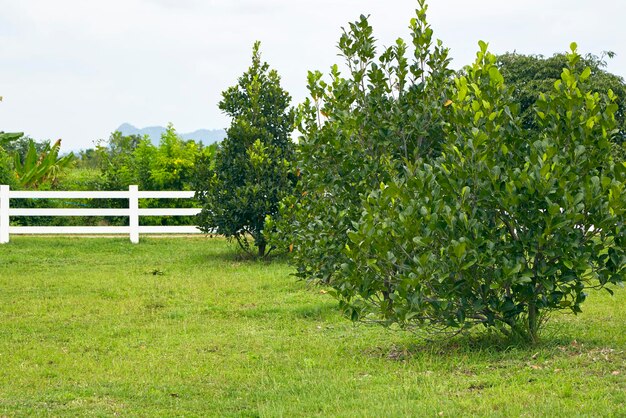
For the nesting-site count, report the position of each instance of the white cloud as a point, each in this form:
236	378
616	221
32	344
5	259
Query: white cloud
77	69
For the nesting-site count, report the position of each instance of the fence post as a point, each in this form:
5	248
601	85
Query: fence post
4	214
133	215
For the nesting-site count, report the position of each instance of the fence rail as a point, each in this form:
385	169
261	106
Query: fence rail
133	212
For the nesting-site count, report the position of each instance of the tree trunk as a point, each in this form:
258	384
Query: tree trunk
262	246
533	322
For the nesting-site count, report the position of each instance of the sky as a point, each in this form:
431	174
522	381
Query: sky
77	69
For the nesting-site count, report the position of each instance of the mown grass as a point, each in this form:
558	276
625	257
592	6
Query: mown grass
182	327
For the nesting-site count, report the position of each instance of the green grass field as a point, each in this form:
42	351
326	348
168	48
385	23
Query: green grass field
182	327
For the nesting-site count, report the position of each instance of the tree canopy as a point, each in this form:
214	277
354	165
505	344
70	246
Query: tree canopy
439	201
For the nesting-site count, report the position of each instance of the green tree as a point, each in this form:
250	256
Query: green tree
117	162
88	159
251	174
357	131
507	225
172	165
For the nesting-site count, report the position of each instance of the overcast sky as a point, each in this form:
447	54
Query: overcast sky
77	69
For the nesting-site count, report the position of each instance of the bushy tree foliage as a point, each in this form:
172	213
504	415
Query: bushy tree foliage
116	160
507	225
357	130
490	223
251	174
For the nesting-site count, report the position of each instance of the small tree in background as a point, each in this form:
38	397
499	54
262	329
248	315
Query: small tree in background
532	75
251	174
116	160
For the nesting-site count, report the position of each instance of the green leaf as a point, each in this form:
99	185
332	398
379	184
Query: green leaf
585	74
459	249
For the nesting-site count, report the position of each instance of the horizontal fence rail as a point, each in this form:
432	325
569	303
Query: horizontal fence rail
133	212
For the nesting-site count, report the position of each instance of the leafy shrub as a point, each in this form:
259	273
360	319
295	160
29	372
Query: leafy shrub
507	225
424	201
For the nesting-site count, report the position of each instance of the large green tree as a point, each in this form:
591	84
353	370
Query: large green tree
357	131
252	170
508	224
485	221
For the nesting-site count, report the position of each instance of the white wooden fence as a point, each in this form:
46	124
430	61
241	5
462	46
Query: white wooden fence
133	212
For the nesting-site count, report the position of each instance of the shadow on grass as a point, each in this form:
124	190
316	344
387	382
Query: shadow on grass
230	252
489	344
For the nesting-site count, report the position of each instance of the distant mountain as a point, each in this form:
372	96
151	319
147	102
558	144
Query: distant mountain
206	136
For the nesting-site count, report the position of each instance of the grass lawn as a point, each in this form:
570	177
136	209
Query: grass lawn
173	327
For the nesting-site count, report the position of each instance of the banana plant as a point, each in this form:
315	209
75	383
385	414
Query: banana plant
6	137
41	168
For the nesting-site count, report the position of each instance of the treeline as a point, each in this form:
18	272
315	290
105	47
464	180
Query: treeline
113	164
